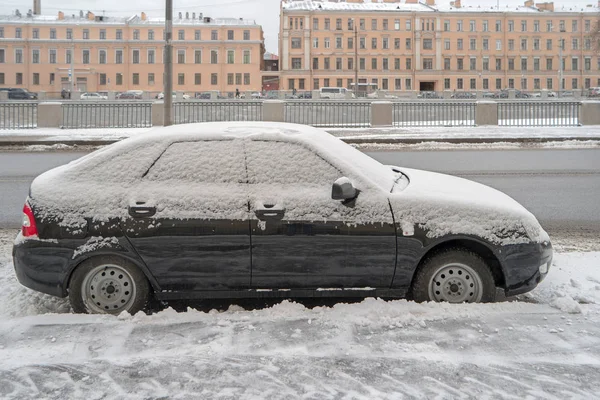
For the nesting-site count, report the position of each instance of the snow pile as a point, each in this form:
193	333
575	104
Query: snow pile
573	282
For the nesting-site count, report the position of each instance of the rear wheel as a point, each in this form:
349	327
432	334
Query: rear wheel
454	276
108	285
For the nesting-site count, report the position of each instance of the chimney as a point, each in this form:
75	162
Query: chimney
430	2
529	3
90	15
187	15
61	15
37	7
546	6
457	4
412	1
180	15
194	14
143	16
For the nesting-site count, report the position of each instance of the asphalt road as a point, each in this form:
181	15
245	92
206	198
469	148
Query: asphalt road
561	187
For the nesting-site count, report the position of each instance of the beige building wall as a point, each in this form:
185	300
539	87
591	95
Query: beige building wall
412	46
118	54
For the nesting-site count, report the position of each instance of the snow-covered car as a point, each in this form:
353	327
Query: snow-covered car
258	209
92	96
161	96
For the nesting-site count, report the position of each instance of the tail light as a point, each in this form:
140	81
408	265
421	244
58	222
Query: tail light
29	227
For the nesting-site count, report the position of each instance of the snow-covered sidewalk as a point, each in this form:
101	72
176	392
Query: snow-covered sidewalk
546	345
356	135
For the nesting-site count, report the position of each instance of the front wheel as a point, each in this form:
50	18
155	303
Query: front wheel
108	285
454	276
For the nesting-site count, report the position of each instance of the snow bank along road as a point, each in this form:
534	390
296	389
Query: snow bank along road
545	345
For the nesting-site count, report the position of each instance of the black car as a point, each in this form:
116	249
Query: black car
21	94
231	210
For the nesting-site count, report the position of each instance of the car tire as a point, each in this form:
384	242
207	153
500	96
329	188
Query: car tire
108	285
454	276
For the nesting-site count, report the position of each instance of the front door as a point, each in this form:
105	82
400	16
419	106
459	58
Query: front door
301	237
188	219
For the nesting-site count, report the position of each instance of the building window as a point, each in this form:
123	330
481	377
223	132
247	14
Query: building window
486	84
473	83
498	64
362	43
428	63
362	64
230	34
574	64
408	25
408	44
472	26
549	82
181	56
181	78
51	56
119	36
575	44
536	44
447	84
459	25
350	43
246	35
374	43
523	44
35	56
326	63
486	64
36	78
459	83
68	56
296	63
472	63
136	34
135	78
338	43
536	64
459	64
523	83
498	83
408	66
52	33
523	25
588	64
548	26
150	34
19	78
119	79
485	44
102	79
214	79
327	43
459	44
1	32
315	43
246	57
197	56
18	35
229	79
230	57
427	44
574	26
102	57
150	78
523	64
246	78
446	25
181	34
214	35
351	64
373	24
214	57
86	34
548	64
296	43
374	63
315	63
386	64
35	35
151	56
86	56
197	78
472	44
119	57
511	64
69	34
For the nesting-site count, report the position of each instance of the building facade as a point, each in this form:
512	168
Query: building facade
406	45
118	54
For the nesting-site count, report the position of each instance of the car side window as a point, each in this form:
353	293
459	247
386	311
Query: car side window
218	161
272	162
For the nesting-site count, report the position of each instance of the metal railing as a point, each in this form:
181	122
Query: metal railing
339	114
106	115
434	113
538	113
214	111
18	115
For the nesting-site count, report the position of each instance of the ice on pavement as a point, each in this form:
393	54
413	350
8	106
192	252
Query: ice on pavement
546	345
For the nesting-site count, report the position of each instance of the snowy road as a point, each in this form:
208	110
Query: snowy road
546	345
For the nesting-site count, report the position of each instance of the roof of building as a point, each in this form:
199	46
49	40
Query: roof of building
78	19
402	6
271	57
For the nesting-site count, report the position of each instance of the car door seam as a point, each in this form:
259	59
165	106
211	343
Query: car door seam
395	242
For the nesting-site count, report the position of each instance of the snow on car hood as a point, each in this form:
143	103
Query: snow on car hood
445	205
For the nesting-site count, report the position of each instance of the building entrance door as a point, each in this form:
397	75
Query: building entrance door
427	86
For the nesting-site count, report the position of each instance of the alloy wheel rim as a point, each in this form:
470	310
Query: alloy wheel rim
108	289
456	283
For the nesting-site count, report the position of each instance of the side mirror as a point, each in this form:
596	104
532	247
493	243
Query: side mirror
343	190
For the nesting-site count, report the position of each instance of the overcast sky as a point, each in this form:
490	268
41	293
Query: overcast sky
265	12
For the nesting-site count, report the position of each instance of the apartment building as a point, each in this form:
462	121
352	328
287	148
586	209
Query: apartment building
38	52
407	45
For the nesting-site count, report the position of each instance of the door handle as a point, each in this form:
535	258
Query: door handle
270	214
142	211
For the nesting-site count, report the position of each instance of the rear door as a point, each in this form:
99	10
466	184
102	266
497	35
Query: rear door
301	237
189	217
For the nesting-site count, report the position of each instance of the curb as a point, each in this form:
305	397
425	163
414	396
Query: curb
349	140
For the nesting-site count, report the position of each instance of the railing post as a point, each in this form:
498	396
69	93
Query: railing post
447	94
382	114
486	113
589	113
3	95
512	94
178	96
158	114
112	95
42	95
274	110
544	95
49	115
316	94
